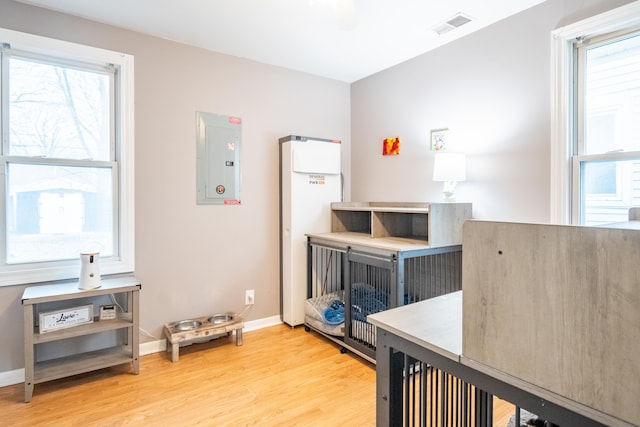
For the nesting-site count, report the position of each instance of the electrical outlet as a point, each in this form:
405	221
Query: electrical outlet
249	297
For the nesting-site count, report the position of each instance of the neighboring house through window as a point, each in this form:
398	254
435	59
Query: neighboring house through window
595	158
67	158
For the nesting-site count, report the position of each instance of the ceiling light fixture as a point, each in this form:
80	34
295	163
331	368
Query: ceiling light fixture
451	24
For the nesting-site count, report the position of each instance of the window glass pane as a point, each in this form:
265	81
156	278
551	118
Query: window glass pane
58	111
612	97
56	212
600	178
609	189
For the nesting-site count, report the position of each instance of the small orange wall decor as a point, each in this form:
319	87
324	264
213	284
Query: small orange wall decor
391	146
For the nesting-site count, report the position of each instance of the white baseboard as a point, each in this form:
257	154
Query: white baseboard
254	325
11	377
17	376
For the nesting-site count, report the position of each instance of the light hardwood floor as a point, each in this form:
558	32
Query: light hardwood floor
279	377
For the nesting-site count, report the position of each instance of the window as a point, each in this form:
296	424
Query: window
596	121
66	158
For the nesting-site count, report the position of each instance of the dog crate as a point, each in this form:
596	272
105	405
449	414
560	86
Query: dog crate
369	280
379	256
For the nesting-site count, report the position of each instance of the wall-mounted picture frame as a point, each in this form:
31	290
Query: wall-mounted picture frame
439	139
391	146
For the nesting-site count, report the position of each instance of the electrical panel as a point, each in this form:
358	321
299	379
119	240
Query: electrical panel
218	159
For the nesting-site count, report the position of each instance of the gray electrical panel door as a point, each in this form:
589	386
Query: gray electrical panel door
218	162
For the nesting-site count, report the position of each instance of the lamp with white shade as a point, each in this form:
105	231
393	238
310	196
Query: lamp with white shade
449	168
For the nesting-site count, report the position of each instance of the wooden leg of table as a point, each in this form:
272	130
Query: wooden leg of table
167	338
136	365
29	358
133	302
175	351
239	336
28	391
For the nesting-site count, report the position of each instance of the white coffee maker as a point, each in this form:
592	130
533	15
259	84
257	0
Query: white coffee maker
89	271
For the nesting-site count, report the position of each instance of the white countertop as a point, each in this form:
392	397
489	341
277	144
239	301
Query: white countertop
435	324
69	290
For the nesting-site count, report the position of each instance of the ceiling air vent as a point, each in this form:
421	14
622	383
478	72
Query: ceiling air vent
451	24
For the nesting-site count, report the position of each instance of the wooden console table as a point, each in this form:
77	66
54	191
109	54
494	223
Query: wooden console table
56	297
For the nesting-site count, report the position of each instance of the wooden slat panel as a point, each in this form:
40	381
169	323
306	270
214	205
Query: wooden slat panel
558	307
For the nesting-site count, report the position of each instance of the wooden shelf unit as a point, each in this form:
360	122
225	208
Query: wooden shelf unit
433	224
404	252
42	298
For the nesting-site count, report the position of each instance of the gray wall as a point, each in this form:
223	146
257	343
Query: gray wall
492	89
194	260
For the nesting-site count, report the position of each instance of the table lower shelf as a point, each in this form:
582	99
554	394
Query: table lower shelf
84	362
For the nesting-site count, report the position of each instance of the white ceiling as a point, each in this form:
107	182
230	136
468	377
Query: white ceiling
345	41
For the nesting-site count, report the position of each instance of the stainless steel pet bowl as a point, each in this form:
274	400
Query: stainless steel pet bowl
187	325
218	319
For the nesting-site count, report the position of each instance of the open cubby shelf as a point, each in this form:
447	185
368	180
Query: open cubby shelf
433	224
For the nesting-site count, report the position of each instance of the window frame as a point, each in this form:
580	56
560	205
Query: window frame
564	199
122	163
580	160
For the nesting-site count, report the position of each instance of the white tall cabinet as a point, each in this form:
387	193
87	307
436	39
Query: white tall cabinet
310	181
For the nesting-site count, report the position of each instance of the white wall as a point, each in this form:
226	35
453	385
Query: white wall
196	260
492	89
